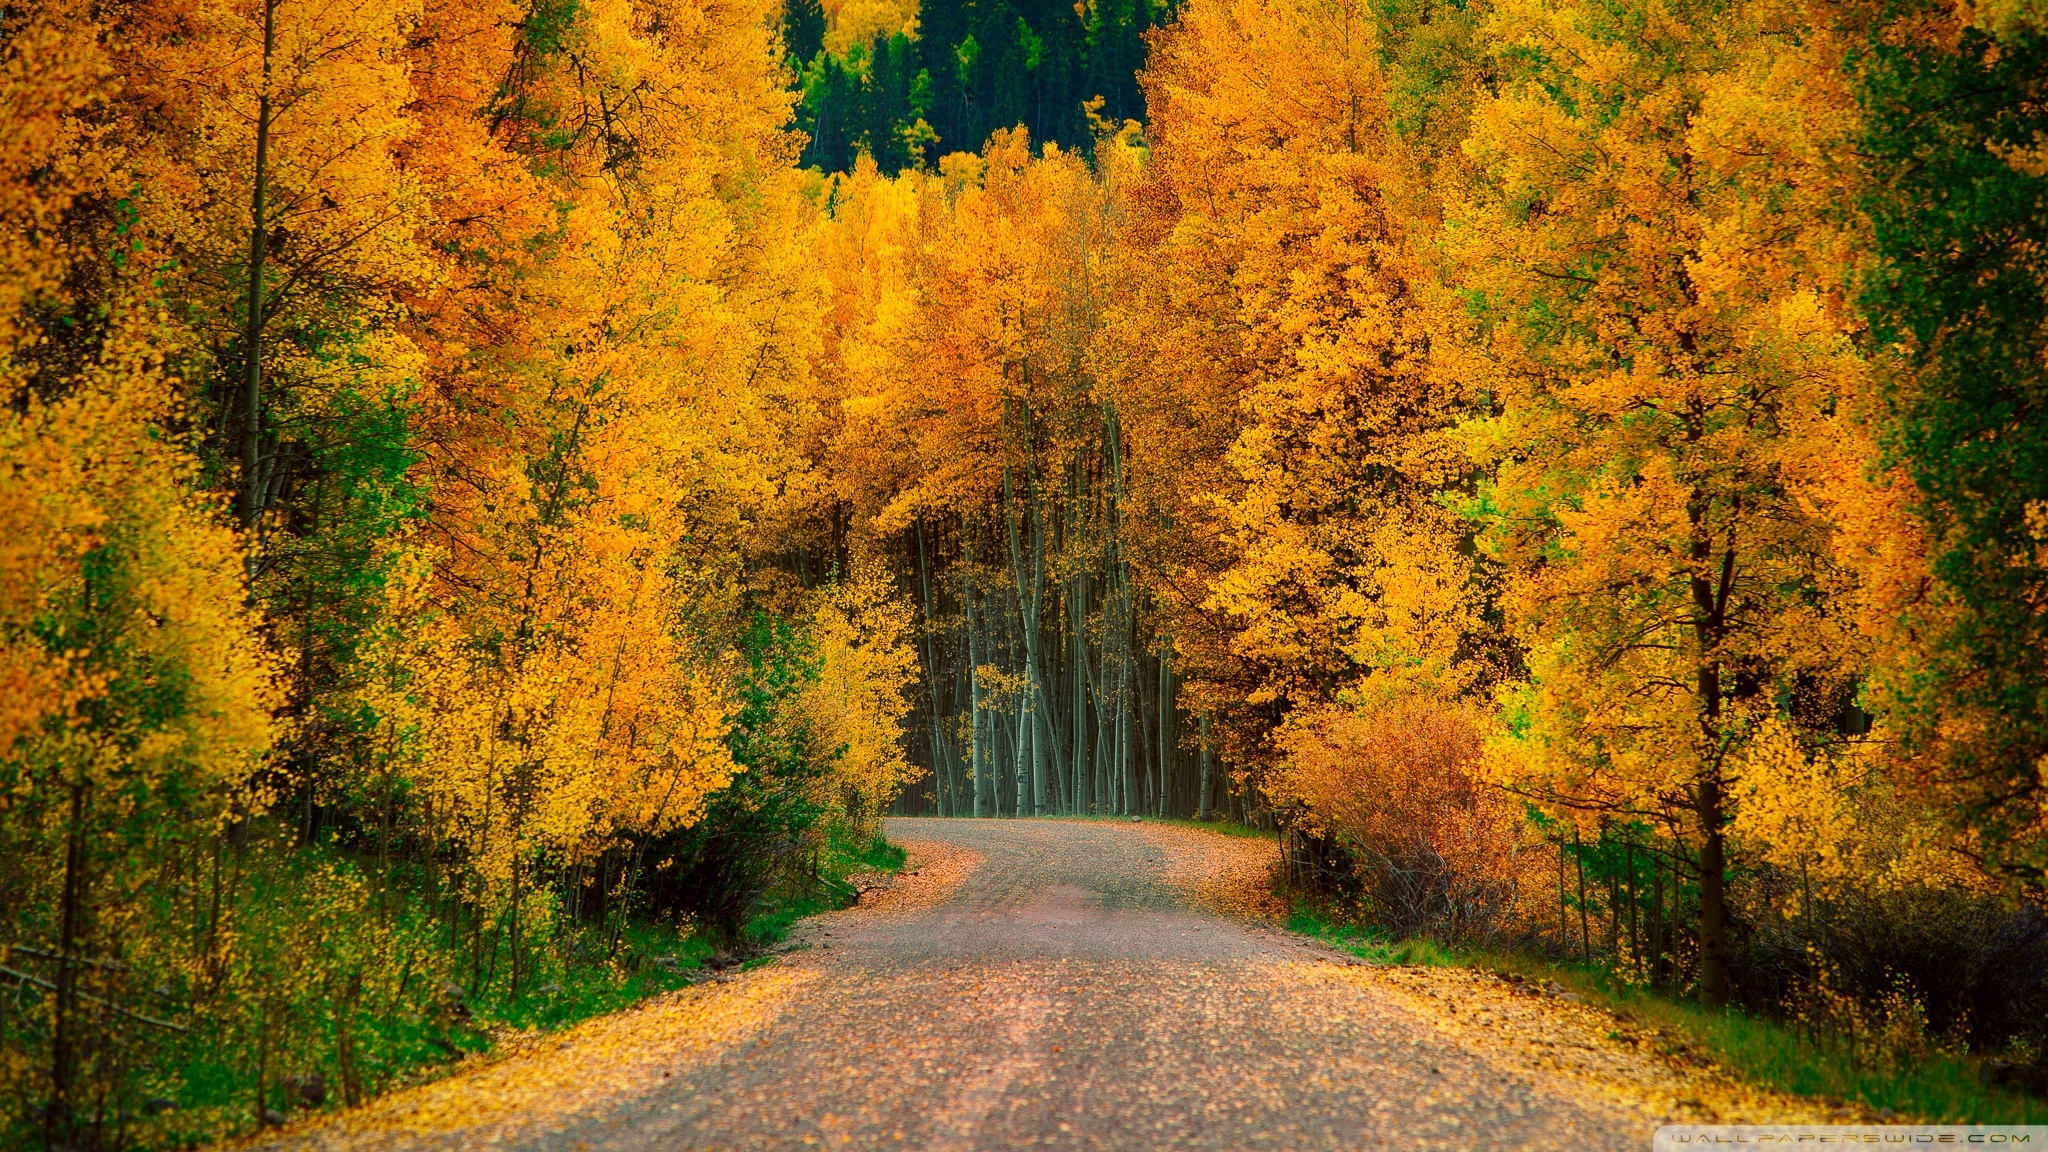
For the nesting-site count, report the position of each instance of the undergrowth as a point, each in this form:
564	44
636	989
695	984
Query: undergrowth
592	973
1936	1089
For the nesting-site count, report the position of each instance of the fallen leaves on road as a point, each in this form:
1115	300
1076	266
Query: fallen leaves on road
550	1079
1572	1050
1227	875
936	868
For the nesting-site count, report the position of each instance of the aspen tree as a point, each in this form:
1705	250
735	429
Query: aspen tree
1673	365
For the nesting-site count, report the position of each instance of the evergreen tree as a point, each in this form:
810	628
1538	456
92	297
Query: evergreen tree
975	67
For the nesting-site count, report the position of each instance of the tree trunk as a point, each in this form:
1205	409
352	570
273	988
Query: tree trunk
252	337
935	725
64	1045
1077	616
1710	608
983	790
1713	893
1165	726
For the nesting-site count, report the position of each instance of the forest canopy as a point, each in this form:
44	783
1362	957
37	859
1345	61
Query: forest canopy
494	488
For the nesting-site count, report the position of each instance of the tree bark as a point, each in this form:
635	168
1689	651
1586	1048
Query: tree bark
57	1119
1710	608
983	790
252	338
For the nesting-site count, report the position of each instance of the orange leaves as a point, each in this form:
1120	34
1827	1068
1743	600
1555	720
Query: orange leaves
1294	334
958	294
1398	783
1672	374
124	640
612	360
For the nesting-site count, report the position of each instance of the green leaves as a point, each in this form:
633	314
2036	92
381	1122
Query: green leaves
1958	206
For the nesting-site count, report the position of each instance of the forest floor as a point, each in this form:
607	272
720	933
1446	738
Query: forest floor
1072	984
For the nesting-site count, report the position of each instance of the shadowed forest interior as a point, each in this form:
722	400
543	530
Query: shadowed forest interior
499	497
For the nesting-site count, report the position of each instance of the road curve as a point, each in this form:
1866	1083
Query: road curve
1037	983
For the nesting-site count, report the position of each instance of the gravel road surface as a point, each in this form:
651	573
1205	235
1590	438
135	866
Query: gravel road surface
1057	984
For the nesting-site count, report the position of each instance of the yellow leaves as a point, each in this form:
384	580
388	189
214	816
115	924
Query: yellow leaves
1653	218
51	69
859	701
961	298
1281	312
1795	804
544	1085
850	22
1832	818
118	582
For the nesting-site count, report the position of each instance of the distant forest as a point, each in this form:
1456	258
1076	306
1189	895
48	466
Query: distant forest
966	68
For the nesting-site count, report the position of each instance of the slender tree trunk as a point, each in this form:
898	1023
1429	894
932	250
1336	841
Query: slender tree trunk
1165	725
982	790
1657	948
1635	935
1585	924
1710	626
513	993
1564	931
935	726
64	1044
1205	762
1077	619
1126	755
252	337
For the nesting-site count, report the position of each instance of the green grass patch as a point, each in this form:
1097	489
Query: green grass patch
1940	1089
1370	944
651	959
841	858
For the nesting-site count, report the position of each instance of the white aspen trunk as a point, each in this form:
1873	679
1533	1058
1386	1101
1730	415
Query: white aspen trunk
1165	724
1077	615
1044	749
1204	762
941	753
979	769
1125	760
1030	587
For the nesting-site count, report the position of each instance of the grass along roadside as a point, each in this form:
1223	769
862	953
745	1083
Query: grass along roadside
1935	1088
451	1028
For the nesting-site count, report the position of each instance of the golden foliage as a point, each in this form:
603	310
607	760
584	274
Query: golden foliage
859	701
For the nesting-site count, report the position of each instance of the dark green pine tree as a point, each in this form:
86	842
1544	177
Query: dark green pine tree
976	66
803	30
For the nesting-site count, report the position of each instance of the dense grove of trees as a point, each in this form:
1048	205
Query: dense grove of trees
397	399
481	477
1575	469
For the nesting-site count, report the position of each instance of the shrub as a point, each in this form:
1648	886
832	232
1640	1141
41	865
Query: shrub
1383	805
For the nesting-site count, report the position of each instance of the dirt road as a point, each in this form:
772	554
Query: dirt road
1067	984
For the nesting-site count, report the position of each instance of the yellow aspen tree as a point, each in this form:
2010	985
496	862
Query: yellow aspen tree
1647	235
858	704
1295	391
603	440
135	693
140	695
